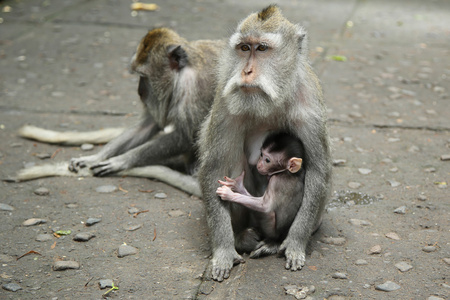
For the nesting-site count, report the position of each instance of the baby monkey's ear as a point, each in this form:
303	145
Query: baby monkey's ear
294	165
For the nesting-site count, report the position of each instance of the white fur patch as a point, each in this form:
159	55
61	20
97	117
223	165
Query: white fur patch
235	39
274	40
169	129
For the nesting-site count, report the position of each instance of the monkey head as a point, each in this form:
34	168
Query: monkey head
271	163
257	63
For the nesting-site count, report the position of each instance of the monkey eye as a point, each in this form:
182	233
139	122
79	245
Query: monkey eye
245	47
267	160
262	47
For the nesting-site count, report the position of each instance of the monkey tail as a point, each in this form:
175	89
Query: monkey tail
70	138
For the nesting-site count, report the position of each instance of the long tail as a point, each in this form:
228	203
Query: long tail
70	138
174	178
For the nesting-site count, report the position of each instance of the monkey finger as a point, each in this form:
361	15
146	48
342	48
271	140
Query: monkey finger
72	168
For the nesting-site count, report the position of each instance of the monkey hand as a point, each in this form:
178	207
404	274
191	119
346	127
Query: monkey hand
295	254
225	193
109	166
222	262
76	164
236	185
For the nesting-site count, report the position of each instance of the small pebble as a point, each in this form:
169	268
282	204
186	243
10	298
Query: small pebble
422	197
339	162
58	94
364	171
388	286
106	189
43	237
337	241
160	195
43	155
72	205
393	236
445	157
83	236
42	191
394	183
105	283
34	221
64	265
429	170
400	210
435	298
414	149
393	170
403	266
176	213
361	262
92	221
338	275
6	207
125	250
393	140
87	147
357	222
429	249
133	210
375	249
446	260
132	227
12	287
354	185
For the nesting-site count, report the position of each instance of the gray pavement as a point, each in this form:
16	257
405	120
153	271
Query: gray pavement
63	66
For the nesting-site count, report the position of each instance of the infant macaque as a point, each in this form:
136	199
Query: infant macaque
274	212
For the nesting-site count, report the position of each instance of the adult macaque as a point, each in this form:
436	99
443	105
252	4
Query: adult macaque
265	84
176	87
273	213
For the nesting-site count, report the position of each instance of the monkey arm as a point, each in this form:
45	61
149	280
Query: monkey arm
260	204
130	138
157	149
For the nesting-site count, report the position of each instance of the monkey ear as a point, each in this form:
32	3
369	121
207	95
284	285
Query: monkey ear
301	38
178	58
294	164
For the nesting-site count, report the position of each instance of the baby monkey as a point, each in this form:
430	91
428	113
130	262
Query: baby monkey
273	213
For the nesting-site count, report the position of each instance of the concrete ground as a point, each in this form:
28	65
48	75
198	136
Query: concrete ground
63	66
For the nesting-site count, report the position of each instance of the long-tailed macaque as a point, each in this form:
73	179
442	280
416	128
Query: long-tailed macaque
265	84
273	213
176	87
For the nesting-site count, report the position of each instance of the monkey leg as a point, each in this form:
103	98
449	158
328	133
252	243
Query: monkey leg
247	240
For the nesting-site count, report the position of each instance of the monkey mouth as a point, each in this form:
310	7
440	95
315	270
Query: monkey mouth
250	88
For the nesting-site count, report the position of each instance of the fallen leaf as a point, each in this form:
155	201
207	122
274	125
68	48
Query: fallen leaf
122	189
338	58
54	153
313	268
144	6
53	246
139	212
29	252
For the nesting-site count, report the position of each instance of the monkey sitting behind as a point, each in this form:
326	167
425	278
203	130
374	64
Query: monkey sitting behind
274	212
